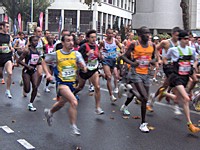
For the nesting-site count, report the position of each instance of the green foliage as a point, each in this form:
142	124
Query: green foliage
164	36
13	7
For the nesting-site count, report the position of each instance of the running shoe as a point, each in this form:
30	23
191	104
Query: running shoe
91	88
2	81
38	94
113	98
121	90
154	80
149	108
136	100
177	110
124	109
46	89
116	90
193	129
48	116
21	82
31	107
8	94
75	130
143	128
161	94
152	99
99	111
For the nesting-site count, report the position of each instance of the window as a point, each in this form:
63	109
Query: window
122	3
110	1
118	3
85	20
99	22
70	20
54	17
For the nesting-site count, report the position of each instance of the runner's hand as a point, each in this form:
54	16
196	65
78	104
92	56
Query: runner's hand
135	64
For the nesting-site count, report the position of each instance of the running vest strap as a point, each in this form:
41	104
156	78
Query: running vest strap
184	62
143	56
92	60
66	66
110	50
4	41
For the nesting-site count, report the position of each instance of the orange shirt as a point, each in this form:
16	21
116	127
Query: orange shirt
143	57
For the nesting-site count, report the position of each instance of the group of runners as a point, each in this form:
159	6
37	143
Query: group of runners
74	59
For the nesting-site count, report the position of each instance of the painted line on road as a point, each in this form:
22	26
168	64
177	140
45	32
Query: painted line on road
26	144
158	103
7	129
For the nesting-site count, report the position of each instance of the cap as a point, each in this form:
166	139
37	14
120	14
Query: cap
155	38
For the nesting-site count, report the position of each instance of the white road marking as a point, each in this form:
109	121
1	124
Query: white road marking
26	144
7	129
157	103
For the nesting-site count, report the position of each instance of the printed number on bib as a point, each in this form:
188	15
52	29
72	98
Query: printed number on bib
34	59
143	61
5	48
92	64
184	68
68	72
50	50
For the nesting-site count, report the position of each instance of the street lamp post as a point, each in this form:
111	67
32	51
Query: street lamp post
31	10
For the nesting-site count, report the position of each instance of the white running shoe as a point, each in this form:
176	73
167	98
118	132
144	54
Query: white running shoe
75	130
46	89
124	109
113	98
48	116
91	88
177	110
143	128
121	90
31	107
99	111
116	90
154	80
8	94
38	94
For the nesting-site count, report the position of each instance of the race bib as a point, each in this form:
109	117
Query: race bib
34	59
5	48
92	64
184	68
50	50
143	61
68	72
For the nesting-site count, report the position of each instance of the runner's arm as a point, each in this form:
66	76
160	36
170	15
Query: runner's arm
80	61
127	56
22	57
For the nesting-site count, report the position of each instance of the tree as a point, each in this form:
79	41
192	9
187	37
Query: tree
185	13
89	3
13	7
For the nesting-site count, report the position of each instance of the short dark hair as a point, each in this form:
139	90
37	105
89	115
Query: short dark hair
63	37
108	30
46	31
183	34
64	30
90	32
20	33
31	38
176	29
3	23
141	30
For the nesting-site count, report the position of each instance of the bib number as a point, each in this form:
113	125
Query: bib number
34	59
92	64
143	61
68	73
184	68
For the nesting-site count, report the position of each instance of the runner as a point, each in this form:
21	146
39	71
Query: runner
108	55
29	72
140	54
46	34
181	57
90	54
66	65
6	52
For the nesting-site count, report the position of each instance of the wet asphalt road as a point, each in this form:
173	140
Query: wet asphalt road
106	132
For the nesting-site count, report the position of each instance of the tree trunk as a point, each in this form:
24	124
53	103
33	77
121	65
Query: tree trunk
185	13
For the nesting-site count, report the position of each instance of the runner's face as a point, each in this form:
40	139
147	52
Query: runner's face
92	39
175	36
109	33
68	43
35	41
39	32
21	36
198	41
6	28
185	41
119	39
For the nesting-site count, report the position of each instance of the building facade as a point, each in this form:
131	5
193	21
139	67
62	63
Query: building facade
161	15
76	16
